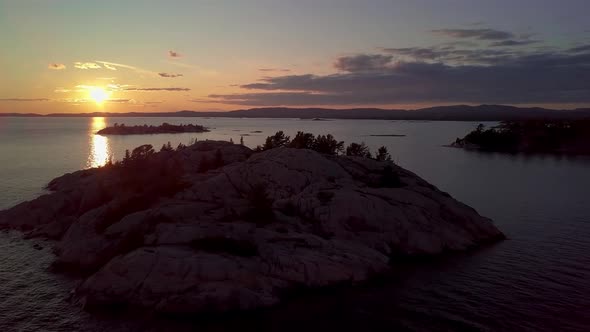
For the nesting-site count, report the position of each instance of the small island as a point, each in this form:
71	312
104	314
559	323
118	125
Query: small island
536	137
165	128
215	226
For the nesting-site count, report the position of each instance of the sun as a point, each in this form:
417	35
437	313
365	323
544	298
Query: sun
99	95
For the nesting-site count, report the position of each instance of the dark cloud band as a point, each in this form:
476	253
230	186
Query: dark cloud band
432	75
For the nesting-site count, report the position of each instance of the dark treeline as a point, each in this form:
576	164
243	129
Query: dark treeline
164	128
568	137
325	144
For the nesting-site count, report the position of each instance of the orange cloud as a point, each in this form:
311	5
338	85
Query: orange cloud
24	99
56	66
157	89
170	75
114	66
108	66
284	70
87	65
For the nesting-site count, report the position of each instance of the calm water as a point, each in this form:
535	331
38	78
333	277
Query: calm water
538	280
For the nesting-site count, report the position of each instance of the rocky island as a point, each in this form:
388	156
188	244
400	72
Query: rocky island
164	128
216	226
555	137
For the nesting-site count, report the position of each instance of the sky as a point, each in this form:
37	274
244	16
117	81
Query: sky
72	56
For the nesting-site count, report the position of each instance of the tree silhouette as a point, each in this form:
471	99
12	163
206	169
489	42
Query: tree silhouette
358	150
276	141
302	141
390	178
204	165
127	157
167	147
383	155
218	161
260	205
328	145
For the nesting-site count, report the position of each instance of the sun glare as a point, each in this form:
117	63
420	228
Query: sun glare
100	149
99	95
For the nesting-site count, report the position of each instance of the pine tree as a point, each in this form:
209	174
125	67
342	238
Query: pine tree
383	155
204	165
127	157
218	162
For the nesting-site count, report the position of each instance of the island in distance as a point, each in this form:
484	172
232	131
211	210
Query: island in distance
216	226
532	136
165	128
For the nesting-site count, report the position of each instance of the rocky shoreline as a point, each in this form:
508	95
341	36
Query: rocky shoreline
162	232
164	128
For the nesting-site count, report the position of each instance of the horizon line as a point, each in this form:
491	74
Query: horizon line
300	109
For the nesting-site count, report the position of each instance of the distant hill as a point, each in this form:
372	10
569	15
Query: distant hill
22	115
439	113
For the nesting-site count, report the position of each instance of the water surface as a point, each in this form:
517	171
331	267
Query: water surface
538	280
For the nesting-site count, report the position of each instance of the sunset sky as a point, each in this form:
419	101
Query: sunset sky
145	56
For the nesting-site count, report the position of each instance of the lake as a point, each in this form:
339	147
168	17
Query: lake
537	280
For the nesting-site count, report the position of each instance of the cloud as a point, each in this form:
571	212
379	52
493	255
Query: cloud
174	54
500	38
170	75
89	100
483	66
114	66
283	70
481	34
580	49
87	65
119	100
363	62
108	66
512	42
82	87
157	89
421	53
199	70
56	66
24	99
487	76
117	87
452	55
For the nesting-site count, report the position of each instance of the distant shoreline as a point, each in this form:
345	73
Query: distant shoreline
441	113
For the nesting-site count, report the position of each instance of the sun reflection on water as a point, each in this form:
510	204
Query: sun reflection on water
99	145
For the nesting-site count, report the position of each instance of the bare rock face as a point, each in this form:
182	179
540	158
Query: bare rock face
241	232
